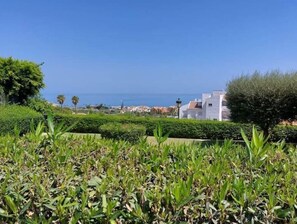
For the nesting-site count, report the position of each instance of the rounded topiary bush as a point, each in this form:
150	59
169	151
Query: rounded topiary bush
127	132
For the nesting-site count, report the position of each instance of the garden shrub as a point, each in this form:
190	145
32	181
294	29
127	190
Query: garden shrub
178	128
127	132
12	116
286	132
84	179
40	105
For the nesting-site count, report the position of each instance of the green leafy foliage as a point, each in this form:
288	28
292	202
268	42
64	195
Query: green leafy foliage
55	131
19	79
59	110
258	148
160	137
40	105
182	128
20	117
61	99
285	132
91	180
126	132
178	128
264	100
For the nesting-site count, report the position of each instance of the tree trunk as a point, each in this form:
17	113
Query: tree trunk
266	132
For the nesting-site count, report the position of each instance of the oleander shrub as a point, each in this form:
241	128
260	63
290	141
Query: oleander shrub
84	179
126	132
17	117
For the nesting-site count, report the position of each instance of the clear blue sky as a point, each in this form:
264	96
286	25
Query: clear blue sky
149	46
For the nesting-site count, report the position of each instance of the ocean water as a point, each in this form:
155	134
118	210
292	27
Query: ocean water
127	99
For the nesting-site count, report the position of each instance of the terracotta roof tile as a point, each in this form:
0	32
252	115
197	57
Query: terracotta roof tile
194	105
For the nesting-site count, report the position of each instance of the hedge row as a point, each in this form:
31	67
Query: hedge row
127	132
12	116
286	132
183	128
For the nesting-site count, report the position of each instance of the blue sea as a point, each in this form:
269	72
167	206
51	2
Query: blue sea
127	99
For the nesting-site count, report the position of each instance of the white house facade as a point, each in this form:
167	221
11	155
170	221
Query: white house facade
212	106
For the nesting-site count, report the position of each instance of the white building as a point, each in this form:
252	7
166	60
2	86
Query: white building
212	106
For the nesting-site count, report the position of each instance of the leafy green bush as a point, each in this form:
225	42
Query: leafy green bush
263	99
178	128
286	132
20	80
159	135
127	132
40	105
12	116
64	110
91	180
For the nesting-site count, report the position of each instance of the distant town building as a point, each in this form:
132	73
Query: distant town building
139	109
212	106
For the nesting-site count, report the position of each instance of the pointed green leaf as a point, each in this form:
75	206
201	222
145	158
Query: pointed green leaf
9	201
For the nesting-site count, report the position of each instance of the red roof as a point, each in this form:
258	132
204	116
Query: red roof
194	105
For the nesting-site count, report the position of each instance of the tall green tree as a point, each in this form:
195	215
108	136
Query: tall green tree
75	100
61	100
20	79
263	99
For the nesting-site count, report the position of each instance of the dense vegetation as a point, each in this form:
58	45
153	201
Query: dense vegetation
127	132
56	179
264	100
180	128
19	80
17	118
177	128
40	105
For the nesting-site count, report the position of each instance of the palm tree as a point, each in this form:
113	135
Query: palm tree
61	99
75	100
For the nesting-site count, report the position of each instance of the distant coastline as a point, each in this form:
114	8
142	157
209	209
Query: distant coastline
128	99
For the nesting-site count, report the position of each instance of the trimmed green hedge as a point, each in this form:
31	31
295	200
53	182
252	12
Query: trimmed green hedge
17	116
178	128
286	132
127	132
183	128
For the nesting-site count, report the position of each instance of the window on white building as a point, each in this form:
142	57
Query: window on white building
210	104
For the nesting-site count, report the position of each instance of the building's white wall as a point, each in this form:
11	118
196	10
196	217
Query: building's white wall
218	93
183	111
212	108
205	96
225	113
195	113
